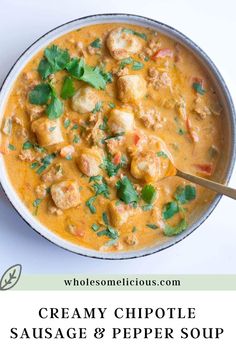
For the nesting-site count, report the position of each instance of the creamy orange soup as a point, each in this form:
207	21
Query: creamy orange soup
92	126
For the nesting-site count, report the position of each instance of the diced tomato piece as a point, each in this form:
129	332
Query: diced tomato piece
205	168
117	158
162	53
67	150
136	138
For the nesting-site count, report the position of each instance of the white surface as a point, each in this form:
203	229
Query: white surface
210	312
211	24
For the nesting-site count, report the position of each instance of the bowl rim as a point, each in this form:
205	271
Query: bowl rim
13	197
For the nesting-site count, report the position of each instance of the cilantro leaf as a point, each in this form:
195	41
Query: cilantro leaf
137	65
76	67
162	154
125	62
169	210
68	89
104	125
175	230
40	94
98	107
152	226
105	218
57	58
185	194
96	43
11	147
27	145
55	108
110	168
44	68
45	162
93	77
198	88
101	189
126	191
109	232
139	34
54	59
147	207
148	193
90	205
66	123
95	227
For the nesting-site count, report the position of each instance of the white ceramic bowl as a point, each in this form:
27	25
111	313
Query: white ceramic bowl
226	165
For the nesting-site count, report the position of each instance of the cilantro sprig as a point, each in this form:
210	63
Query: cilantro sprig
55	59
45	94
126	191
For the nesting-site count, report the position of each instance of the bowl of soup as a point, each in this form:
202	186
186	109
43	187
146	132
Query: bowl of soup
91	115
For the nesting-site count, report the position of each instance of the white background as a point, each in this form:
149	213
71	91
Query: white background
211	311
211	24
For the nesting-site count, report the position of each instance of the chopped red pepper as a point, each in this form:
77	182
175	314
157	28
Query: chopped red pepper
117	158
206	169
162	53
136	138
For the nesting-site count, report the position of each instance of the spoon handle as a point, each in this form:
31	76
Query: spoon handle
216	187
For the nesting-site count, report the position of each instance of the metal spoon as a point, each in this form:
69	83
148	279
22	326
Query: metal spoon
214	186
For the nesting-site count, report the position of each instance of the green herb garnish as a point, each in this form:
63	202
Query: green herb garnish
51	129
139	34
198	88
96	43
27	145
36	203
45	162
67	123
55	108
98	107
11	147
40	94
137	65
147	207
68	88
94	76
46	94
90	205
95	178
104	125
105	218
152	226
115	136
110	168
109	232
169	210
75	127
126	191
175	230
55	59
162	154
76	139
95	227
125	62
148	193
185	194
34	165
111	105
